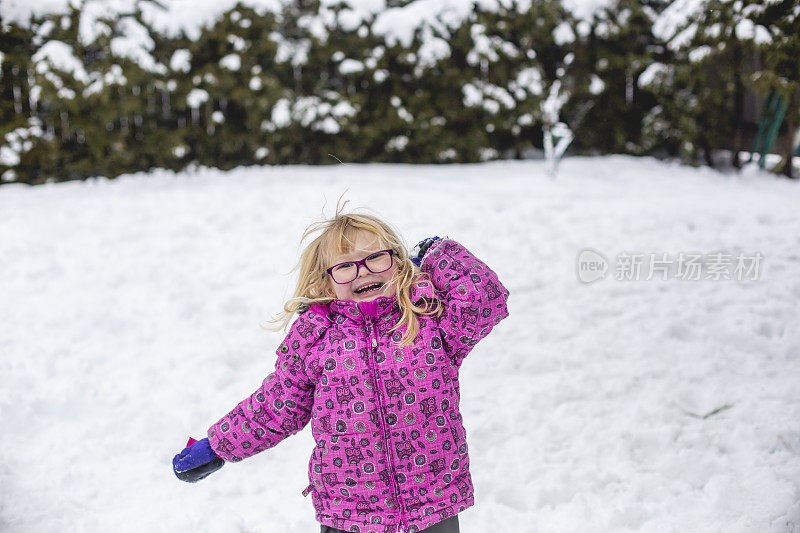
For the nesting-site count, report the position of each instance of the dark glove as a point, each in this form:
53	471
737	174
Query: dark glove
421	249
196	461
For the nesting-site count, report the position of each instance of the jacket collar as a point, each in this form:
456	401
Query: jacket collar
378	308
381	307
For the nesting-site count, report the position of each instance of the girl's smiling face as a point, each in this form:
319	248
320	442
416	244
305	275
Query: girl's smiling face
365	245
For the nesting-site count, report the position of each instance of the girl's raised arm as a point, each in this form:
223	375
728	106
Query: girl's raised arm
474	298
281	406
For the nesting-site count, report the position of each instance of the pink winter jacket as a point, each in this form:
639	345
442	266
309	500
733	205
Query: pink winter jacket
391	449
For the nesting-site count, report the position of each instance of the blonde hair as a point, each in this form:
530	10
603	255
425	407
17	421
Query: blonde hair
338	235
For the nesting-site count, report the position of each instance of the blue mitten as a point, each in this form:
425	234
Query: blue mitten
196	461
419	251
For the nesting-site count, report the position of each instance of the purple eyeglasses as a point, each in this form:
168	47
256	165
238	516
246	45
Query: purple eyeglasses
376	262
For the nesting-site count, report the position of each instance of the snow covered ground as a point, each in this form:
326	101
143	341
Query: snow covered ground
130	320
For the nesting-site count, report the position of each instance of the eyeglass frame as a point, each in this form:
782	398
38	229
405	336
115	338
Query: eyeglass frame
362	262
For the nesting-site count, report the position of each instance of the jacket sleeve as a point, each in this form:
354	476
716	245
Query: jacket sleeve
472	294
280	407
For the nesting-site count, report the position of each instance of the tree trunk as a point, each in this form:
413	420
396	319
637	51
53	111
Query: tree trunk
707	152
791	113
738	103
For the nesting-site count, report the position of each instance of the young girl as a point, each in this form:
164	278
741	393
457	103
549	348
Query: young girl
372	362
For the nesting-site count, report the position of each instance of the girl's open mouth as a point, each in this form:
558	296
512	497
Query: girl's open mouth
366	289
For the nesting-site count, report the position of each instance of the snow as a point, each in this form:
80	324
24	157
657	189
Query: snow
311	111
675	23
499	94
487	95
380	75
651	73
196	98
563	34
487	154
358	12
483	45
344	109
91	23
398	24
447	155
586	9
552	105
431	20
136	44
21	11
698	54
131	321
472	95
596	85
231	62
328	125
181	60
8	155
674	17
531	79
239	44
432	50
281	113
747	30
295	52
398	143
405	115
351	66
58	54
130	38
191	16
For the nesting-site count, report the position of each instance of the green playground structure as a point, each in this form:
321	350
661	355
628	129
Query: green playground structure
768	128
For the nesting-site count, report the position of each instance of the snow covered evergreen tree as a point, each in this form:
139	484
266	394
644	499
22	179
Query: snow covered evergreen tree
619	49
702	86
108	87
16	126
521	52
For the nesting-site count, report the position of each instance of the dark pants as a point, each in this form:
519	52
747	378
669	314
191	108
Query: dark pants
449	525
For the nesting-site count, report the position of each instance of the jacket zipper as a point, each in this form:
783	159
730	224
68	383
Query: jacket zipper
387	435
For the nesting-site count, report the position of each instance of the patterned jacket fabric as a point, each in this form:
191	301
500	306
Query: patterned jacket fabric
391	452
